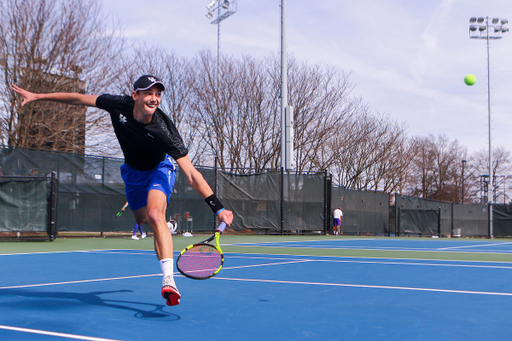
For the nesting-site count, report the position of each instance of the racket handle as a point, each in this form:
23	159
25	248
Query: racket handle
221	227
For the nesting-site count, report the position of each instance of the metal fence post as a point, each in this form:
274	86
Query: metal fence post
216	188
282	200
439	221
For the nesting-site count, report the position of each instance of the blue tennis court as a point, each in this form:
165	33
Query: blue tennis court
114	295
395	244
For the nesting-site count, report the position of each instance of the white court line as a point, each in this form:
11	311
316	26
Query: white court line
298	241
125	252
76	282
388	248
382	263
138	276
290	261
43	332
368	286
268	264
72	251
284	282
466	246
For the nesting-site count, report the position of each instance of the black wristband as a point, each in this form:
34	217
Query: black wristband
214	203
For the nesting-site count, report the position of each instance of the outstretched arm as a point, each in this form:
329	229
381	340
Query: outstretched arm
60	97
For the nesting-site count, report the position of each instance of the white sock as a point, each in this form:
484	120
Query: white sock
167	265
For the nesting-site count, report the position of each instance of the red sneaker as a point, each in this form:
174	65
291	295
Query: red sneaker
172	295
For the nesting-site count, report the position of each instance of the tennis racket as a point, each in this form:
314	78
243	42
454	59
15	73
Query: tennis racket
202	260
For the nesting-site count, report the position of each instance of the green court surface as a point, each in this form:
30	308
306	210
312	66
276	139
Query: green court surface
338	246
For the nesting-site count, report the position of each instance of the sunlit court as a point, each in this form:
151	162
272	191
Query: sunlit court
255	170
279	288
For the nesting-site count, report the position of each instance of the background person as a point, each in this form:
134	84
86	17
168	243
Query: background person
337	217
136	228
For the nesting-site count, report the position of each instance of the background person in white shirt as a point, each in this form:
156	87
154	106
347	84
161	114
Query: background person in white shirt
338	216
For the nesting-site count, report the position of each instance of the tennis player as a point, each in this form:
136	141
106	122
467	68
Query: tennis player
148	139
337	217
136	227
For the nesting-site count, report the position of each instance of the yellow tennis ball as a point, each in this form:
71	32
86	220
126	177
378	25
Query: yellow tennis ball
470	79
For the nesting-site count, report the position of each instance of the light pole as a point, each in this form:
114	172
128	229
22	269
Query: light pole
287	156
480	28
219	10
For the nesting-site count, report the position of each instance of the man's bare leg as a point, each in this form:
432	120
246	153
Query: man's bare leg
157	204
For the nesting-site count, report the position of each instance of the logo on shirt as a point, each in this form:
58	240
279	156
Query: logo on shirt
122	119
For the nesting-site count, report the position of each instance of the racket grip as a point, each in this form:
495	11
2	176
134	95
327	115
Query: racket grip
221	227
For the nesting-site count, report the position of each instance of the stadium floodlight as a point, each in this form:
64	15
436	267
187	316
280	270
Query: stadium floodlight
485	33
219	10
472	20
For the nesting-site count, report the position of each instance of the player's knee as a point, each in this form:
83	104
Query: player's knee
156	218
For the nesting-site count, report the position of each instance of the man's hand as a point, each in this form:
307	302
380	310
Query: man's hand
225	216
27	95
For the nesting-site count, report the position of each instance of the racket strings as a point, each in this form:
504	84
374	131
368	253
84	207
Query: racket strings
200	261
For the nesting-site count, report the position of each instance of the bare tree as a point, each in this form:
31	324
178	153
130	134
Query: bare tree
369	152
501	169
437	169
391	157
54	46
323	106
237	117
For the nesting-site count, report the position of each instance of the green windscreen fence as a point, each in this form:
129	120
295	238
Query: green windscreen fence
23	204
91	192
363	212
456	220
27	207
256	201
419	222
502	220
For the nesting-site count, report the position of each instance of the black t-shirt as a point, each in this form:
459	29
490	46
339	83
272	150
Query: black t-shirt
144	145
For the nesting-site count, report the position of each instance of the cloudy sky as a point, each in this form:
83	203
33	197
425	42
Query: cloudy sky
407	58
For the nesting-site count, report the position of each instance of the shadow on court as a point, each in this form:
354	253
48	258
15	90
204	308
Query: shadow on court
154	312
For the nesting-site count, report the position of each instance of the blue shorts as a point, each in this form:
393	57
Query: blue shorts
139	183
336	221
